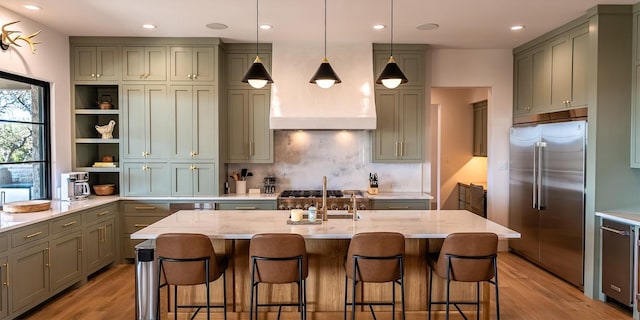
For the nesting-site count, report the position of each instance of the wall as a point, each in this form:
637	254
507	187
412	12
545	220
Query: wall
50	63
492	69
457	163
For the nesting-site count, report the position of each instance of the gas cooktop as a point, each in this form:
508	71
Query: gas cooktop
317	193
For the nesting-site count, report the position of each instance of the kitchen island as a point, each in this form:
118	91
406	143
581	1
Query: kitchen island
327	245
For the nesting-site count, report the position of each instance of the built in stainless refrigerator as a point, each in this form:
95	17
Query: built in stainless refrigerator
546	205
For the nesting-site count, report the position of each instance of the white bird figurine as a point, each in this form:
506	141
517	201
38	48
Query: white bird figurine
106	130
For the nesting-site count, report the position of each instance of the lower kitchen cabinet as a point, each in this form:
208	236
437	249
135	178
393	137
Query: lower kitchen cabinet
137	215
246	205
66	260
99	237
400	204
29	276
4	287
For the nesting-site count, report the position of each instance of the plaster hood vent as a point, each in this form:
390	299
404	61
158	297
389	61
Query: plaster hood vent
298	104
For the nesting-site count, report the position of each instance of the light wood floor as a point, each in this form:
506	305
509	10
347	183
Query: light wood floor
526	292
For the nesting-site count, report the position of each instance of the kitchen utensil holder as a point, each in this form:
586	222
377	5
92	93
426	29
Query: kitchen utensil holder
241	187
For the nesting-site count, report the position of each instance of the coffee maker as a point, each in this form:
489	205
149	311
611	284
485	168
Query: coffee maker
74	186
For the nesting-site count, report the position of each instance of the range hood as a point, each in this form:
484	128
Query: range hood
298	104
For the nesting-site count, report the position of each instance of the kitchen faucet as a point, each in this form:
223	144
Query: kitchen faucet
354	206
324	199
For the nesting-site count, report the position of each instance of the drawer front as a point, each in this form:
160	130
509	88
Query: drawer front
133	224
137	208
240	205
96	214
401	205
67	223
29	234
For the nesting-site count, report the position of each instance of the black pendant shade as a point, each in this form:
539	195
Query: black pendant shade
325	72
391	71
258	72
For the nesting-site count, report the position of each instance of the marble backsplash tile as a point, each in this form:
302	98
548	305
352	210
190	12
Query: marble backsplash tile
344	157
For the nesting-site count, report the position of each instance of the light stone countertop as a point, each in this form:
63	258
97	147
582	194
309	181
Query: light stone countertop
628	216
10	221
240	224
398	195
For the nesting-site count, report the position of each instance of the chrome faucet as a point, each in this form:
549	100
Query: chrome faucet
324	199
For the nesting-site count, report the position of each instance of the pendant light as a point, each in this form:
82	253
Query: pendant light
257	76
325	77
391	77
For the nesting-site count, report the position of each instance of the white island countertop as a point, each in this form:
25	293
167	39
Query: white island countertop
628	216
238	224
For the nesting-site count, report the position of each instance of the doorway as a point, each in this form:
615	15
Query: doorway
452	114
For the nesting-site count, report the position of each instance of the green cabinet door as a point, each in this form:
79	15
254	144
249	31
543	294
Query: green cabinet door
146	179
66	260
580	42
523	77
399	133
409	57
480	129
146	115
100	244
4	287
249	138
95	63
193	64
29	276
195	109
237	65
144	63
193	179
560	73
540	79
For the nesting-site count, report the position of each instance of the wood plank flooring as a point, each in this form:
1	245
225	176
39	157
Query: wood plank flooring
526	292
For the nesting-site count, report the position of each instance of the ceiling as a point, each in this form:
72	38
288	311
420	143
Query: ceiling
462	23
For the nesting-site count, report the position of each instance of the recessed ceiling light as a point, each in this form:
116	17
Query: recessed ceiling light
217	26
265	27
32	7
428	26
379	26
517	27
149	26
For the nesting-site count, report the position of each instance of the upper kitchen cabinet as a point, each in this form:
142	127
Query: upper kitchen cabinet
144	63
193	179
238	59
409	57
249	139
194	124
94	63
635	90
480	129
551	75
399	133
193	64
146	122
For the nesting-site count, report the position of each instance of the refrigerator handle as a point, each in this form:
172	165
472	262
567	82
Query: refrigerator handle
541	145
535	177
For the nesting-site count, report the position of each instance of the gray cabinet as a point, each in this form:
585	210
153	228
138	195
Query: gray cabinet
29	272
144	63
480	129
99	237
400	204
246	205
552	75
237	64
195	115
399	133
410	61
249	138
635	91
66	260
146	179
146	117
193	64
193	179
137	215
94	63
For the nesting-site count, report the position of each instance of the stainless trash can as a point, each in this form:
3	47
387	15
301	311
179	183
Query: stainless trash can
146	281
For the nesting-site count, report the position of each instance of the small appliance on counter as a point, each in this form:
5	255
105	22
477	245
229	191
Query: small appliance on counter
373	183
269	185
74	186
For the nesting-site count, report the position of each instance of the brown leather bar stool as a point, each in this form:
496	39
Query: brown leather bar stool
374	257
186	259
278	258
465	257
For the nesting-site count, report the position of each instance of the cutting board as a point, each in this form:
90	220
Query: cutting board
27	206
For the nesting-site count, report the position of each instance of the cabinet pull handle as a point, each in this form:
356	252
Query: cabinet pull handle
81	244
623	233
398	207
145	208
6	274
101	240
250	148
98	75
93	75
189	76
48	262
29	236
69	223
246	208
396	149
102	213
195	76
192	168
140	225
401	149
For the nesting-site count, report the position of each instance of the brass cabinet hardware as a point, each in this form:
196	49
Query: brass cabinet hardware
398	207
6	274
102	213
145	208
396	151
140	225
29	236
48	262
246	208
70	223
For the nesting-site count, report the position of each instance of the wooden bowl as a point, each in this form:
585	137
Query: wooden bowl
104	189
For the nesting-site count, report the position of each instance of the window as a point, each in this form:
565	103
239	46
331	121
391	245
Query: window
25	160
